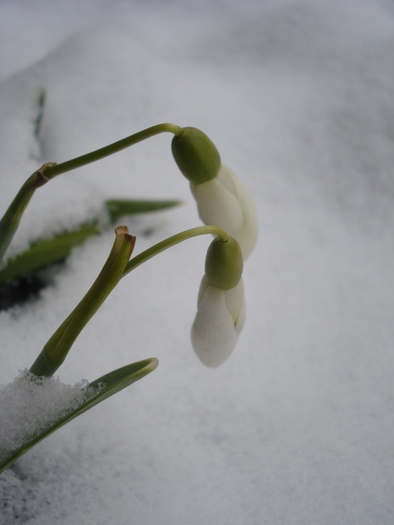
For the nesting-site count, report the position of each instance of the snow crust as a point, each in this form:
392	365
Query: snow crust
29	405
297	426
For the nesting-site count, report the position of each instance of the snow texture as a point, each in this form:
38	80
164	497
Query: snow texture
30	405
297	426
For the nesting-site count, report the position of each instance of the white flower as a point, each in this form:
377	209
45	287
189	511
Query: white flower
225	202
219	320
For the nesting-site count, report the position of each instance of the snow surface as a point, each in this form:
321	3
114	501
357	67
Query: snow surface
297	426
30	405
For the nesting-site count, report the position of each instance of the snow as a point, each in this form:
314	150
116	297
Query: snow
30	405
297	426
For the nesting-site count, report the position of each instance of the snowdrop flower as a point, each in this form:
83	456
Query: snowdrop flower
221	304
221	197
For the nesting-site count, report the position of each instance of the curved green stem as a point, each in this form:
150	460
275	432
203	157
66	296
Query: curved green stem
12	217
53	171
172	241
10	221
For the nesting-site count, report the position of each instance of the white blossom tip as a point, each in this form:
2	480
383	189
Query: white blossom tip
219	319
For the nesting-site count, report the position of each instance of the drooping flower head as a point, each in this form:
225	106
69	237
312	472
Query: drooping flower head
221	197
221	304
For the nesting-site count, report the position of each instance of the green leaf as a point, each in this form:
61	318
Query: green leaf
120	207
45	252
104	387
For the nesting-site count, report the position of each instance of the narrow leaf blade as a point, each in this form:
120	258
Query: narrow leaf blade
121	207
46	251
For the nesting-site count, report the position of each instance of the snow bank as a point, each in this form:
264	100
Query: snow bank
29	405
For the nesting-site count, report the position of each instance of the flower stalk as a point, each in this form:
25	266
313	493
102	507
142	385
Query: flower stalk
10	221
83	160
172	241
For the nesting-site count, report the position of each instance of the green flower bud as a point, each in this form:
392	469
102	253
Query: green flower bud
196	155
224	263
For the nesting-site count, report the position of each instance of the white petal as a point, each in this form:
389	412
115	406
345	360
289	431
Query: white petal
248	234
235	304
241	318
225	202
213	333
225	176
217	206
203	286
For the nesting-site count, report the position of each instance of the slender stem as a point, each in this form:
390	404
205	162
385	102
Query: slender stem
12	217
10	221
172	241
72	164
